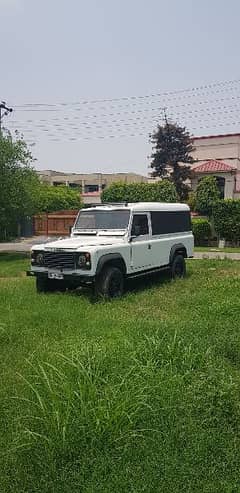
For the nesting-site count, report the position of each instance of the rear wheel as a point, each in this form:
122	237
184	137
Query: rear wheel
110	283
178	267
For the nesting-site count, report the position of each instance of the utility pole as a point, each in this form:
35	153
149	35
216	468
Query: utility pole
4	111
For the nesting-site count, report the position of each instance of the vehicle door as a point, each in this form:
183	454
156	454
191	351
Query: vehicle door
140	248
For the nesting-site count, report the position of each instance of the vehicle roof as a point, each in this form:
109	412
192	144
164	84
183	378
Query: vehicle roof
143	206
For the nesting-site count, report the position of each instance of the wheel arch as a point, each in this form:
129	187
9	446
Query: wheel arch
111	259
178	249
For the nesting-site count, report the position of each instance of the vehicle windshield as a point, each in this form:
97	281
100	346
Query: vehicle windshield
100	219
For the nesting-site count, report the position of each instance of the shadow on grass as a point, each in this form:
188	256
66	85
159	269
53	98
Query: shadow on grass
148	281
136	285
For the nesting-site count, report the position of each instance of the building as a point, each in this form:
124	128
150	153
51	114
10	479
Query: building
90	184
219	156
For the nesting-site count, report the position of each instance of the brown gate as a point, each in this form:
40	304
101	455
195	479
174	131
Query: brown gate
55	223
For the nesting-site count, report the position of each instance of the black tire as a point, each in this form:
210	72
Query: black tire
45	285
178	267
110	283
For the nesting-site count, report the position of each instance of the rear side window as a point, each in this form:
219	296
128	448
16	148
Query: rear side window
140	225
164	222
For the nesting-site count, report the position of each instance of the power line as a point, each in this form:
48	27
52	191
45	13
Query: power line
128	98
134	113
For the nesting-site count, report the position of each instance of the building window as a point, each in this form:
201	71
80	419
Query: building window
58	183
91	188
74	185
221	185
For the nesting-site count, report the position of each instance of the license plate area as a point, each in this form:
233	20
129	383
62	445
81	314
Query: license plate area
55	275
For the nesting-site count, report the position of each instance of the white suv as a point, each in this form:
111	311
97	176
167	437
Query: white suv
110	243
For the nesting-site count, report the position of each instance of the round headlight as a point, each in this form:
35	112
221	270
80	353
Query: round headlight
40	258
81	260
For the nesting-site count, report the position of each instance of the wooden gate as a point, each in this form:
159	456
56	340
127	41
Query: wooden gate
55	223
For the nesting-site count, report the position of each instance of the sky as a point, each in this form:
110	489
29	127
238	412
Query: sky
70	56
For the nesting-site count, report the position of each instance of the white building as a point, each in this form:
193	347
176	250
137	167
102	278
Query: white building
219	156
90	184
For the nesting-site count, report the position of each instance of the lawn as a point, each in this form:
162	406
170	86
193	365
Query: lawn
137	395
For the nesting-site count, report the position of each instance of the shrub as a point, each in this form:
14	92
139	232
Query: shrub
226	217
201	230
58	198
207	194
192	201
162	191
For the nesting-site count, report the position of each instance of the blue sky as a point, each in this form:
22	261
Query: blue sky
69	51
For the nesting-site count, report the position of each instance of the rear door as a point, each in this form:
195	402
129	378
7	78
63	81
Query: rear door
140	250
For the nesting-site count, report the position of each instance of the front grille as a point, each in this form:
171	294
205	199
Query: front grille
59	260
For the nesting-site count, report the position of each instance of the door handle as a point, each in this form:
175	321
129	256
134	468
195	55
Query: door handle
149	247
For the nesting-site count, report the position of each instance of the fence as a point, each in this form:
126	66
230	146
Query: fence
55	223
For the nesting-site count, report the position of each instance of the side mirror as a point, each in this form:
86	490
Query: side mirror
70	230
131	238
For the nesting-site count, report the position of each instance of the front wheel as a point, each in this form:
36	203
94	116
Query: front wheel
178	267
110	283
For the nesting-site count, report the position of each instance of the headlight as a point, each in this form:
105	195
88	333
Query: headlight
84	261
37	258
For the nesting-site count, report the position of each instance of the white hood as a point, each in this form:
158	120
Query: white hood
82	242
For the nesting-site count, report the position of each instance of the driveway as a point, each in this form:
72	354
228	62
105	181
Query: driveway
24	244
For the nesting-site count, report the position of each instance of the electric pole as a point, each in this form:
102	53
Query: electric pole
4	111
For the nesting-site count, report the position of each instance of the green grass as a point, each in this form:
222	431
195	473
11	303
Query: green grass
13	264
136	395
215	249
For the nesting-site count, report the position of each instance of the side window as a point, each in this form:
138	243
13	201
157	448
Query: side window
140	225
164	222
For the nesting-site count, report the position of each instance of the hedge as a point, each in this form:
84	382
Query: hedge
226	217
201	230
162	191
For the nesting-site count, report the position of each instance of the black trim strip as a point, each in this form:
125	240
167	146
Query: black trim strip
147	271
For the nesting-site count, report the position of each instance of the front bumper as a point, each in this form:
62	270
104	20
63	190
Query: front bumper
73	278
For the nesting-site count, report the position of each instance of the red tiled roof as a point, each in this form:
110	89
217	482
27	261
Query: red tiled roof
214	166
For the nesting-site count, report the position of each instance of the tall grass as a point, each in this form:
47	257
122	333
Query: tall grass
82	403
138	395
75	404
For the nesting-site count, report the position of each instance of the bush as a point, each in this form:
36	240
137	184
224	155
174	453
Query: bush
192	201
51	199
207	194
226	217
201	230
162	191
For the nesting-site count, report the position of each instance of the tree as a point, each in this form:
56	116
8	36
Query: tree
162	191
19	183
226	218
172	148
52	199
207	195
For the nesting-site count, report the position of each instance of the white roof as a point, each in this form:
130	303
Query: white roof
143	206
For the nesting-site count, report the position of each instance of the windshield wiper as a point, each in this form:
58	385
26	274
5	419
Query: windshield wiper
84	232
